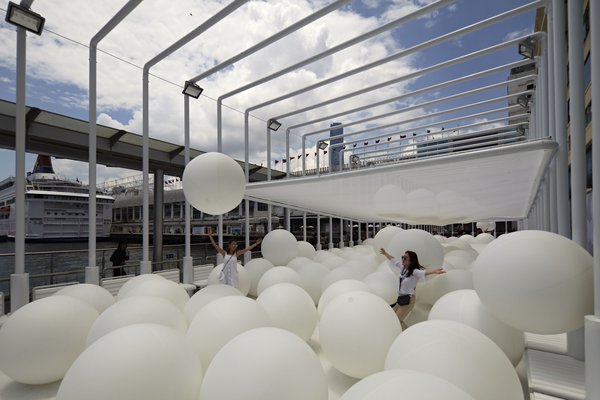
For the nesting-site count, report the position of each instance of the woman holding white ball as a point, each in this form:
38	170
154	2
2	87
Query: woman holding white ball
410	272
230	272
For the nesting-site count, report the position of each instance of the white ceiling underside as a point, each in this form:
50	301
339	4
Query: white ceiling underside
491	184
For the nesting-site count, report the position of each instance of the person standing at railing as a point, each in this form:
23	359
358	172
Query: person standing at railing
118	258
229	273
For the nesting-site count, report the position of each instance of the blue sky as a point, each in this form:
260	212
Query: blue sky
61	64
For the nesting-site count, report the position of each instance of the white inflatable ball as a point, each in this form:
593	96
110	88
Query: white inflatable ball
384	285
265	364
40	341
459	354
383	237
340	274
356	331
255	269
298	262
244	282
138	310
386	201
547	281
94	295
133	282
428	249
362	266
440	285
387	266
467	238
464	306
348	253
311	279
205	295
338	288
451	239
306	249
277	275
336	251
461	259
290	308
440	238
456	245
163	288
414	385
322	255
279	246
483	238
214	183
142	361
333	262
369	242
220	321
478	247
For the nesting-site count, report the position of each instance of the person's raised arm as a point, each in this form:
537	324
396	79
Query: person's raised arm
215	245
386	254
437	271
253	245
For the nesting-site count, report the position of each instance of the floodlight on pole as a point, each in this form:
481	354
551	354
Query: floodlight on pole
322	145
354	159
192	90
527	48
24	18
523	100
274	124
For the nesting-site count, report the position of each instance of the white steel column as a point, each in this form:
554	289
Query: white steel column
341	228
550	116
577	123
304	226
351	242
19	281
560	113
592	322
188	262
575	340
330	233
319	246
359	240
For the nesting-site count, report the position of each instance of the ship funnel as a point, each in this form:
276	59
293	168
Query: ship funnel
43	165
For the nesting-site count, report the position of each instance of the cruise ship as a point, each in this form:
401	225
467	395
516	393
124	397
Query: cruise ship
56	208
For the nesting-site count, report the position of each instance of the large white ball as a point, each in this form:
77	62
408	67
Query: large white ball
137	310
338	288
306	249
133	282
142	361
277	275
205	295
383	237
464	306
163	288
94	295
461	259
214	183
221	320
413	385
40	341
440	285
384	285
255	269
356	331
483	238
546	281
322	255
298	262
265	364
290	308
428	249
333	262
244	279
279	246
339	274
311	278
459	354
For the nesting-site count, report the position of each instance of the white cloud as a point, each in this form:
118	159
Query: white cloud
518	33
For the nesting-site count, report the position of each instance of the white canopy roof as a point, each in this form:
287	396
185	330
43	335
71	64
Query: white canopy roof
497	183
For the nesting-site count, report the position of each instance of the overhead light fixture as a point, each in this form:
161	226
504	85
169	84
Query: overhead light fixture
521	130
274	124
24	18
192	90
322	145
354	159
527	48
523	100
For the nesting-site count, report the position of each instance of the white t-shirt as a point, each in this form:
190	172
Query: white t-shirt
409	283
230	270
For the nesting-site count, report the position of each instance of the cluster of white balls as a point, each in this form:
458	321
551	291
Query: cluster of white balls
257	341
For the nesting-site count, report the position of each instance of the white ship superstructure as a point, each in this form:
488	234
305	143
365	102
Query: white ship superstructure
56	208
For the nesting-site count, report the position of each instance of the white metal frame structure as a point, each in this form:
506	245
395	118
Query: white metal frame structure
546	205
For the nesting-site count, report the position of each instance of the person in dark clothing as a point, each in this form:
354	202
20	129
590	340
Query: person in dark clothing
118	258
